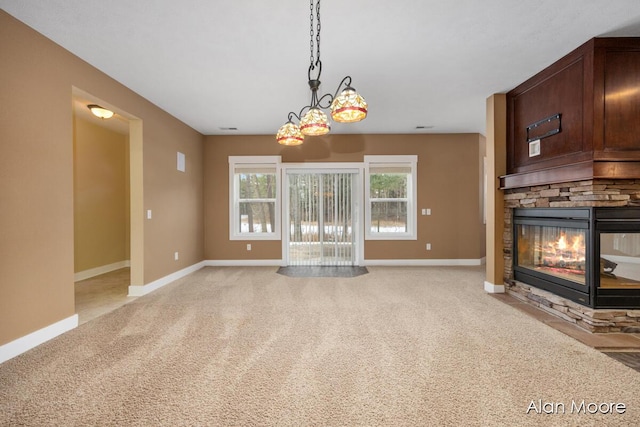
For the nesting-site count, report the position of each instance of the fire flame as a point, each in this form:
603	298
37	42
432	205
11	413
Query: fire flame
562	243
562	250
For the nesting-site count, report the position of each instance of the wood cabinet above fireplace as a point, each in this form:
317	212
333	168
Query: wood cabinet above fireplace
578	119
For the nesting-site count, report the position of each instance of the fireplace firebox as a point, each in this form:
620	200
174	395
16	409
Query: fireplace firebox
589	255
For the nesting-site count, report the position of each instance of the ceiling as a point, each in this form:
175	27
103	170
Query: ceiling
243	64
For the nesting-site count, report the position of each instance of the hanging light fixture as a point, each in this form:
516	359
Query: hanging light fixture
348	107
100	112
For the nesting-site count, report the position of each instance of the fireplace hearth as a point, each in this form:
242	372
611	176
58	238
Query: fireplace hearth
589	255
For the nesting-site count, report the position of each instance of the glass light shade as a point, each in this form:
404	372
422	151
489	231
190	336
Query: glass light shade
348	107
315	123
289	134
100	112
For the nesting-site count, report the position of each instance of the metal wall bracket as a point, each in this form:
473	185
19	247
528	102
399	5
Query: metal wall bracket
545	125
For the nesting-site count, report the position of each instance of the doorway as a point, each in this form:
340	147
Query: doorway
322	218
107	194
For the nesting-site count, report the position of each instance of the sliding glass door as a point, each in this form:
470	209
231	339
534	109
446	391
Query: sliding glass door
321	218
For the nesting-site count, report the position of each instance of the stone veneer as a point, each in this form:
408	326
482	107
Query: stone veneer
597	193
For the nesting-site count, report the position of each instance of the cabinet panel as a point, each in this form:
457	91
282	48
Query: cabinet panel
561	93
622	101
596	90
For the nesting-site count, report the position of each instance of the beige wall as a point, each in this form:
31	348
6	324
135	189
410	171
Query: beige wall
36	183
449	183
36	179
101	194
496	167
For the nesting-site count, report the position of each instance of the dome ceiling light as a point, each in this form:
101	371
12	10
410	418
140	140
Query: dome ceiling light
100	112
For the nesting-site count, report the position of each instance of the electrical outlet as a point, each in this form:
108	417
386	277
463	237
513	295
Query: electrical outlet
248	246
534	148
176	256
428	246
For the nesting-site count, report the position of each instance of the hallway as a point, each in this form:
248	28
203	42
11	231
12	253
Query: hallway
102	294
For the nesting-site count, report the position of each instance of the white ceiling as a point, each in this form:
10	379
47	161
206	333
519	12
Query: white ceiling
243	63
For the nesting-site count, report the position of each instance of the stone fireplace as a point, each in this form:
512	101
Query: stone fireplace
585	267
572	187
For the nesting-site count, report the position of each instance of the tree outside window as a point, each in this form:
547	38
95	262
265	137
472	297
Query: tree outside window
254	206
388	195
257	202
391	197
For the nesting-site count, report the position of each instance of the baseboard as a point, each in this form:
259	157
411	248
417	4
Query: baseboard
244	263
493	289
423	262
92	272
34	339
623	259
140	290
373	262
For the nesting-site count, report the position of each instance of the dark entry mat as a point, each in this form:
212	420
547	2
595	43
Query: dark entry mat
629	358
323	271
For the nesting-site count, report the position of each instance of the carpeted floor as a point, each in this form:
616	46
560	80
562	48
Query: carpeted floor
419	346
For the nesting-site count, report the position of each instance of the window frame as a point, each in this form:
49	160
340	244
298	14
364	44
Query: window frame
390	161
265	162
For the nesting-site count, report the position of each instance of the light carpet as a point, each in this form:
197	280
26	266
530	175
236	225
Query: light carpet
414	346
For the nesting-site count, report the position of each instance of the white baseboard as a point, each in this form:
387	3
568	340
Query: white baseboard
493	289
140	290
244	263
379	262
423	262
92	272
27	342
623	259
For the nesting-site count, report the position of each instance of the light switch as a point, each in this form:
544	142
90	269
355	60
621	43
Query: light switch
148	213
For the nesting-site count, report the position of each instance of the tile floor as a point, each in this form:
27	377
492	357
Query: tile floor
322	271
101	294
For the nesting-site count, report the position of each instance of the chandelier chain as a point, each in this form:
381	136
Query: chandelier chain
318	31
314	49
311	32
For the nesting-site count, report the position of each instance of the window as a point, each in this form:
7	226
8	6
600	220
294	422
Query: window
254	207
390	190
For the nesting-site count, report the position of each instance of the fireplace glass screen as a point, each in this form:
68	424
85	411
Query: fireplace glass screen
620	260
556	251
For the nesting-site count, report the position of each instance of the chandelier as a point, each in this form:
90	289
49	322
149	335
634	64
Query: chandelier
348	107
